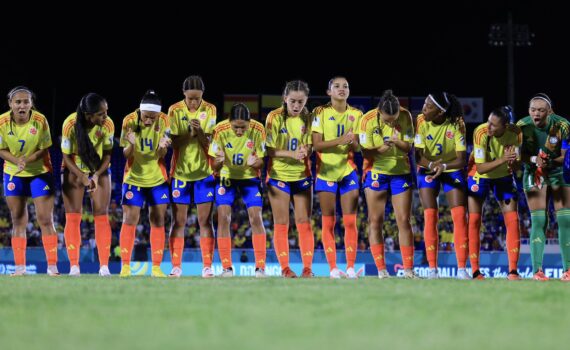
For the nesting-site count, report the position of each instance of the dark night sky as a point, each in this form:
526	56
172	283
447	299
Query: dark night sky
417	50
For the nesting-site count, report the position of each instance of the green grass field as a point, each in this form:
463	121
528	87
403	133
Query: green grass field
38	312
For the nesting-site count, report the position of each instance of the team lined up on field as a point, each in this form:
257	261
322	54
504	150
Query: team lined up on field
221	162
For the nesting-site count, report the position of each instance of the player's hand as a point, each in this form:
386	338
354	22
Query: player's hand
131	136
385	147
164	142
220	156
347	138
301	153
437	169
21	164
252	159
92	187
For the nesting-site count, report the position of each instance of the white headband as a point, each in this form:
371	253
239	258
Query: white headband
542	98
18	90
150	107
437	104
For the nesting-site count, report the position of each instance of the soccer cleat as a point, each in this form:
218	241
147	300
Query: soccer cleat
565	276
229	272
52	270
125	271
540	276
288	273
336	273
410	274
176	272
477	275
513	276
157	272
104	271
260	273
207	272
351	274
19	271
462	274
433	274
383	274
307	273
74	271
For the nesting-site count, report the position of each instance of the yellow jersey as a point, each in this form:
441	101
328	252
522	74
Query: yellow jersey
24	140
439	141
287	134
101	137
487	149
145	168
372	136
191	162
238	149
335	163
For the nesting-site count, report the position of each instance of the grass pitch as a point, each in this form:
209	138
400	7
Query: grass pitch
90	312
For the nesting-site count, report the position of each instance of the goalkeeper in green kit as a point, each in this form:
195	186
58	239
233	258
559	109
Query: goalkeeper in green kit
542	153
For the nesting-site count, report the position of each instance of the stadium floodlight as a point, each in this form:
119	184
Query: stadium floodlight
510	35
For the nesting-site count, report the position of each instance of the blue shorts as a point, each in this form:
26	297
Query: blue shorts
504	188
29	186
250	191
347	184
396	184
137	196
201	190
291	187
450	181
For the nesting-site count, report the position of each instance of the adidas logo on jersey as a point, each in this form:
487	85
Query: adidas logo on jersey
164	196
429	137
283	130
352	182
210	194
185	118
405	185
229	145
306	183
46	188
258	194
332	118
11	133
457	181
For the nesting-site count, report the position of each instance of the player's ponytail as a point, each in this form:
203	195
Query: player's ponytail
89	104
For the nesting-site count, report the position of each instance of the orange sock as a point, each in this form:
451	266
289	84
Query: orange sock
407	256
350	239
207	248
328	240
72	235
474	240
127	242
103	238
259	249
225	251
306	243
19	250
460	235
50	248
377	251
157	240
177	250
281	244
431	237
513	238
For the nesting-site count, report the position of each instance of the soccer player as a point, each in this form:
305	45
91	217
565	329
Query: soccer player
144	137
335	130
192	122
386	137
289	145
441	157
496	153
87	144
543	148
24	142
238	149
